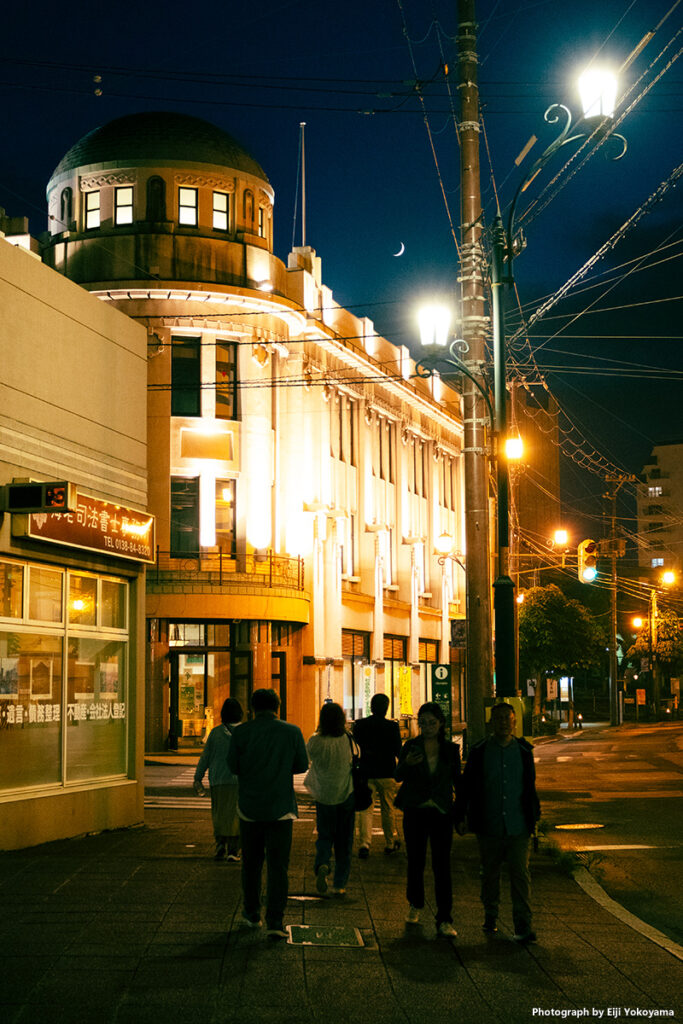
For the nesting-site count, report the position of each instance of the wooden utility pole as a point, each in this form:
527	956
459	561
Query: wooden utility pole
474	324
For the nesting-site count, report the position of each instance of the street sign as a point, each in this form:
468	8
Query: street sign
442	694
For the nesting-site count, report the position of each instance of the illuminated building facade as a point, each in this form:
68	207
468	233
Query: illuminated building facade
72	596
299	472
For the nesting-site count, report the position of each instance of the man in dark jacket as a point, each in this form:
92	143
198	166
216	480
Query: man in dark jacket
502	808
379	740
264	755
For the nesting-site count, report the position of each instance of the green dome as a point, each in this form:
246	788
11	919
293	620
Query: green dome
161	136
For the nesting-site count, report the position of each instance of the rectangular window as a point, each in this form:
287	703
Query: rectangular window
225	516
186	377
348	546
187	206
184	516
656	562
226	380
655	492
82	599
386	542
11	591
221	211
113	605
92	210
44	595
123	205
261	222
96	727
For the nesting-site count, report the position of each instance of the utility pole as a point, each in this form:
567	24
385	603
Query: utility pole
615	708
474	323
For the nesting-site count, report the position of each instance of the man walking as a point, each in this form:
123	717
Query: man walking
379	740
264	755
502	808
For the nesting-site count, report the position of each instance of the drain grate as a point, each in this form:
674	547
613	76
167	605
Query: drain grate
324	935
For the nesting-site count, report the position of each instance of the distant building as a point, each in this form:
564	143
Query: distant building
72	656
660	505
299	471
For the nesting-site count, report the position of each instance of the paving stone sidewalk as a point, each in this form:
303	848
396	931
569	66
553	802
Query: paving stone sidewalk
141	927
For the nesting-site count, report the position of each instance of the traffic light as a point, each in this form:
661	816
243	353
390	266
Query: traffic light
588	561
31	497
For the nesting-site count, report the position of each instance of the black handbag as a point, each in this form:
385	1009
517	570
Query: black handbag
362	793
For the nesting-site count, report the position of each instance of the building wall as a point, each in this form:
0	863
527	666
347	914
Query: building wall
660	500
72	406
324	543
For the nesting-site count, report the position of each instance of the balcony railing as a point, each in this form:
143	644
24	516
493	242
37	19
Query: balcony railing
224	569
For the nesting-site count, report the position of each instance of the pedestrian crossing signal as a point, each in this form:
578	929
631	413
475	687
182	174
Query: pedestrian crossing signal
588	561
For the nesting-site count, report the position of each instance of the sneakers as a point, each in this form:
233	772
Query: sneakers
413	915
393	847
525	937
364	852
490	926
447	929
251	920
277	932
321	878
234	857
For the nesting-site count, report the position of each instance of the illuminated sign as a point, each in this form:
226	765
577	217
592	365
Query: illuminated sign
52	497
95	525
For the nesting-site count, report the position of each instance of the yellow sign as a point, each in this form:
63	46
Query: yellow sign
405	688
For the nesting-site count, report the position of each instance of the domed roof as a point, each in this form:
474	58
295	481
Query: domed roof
159	135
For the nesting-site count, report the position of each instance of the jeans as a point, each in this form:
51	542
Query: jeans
335	830
420	826
272	841
385	789
515	851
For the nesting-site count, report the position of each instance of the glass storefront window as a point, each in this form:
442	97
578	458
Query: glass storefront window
30	709
96	708
11	590
82	600
113	606
45	595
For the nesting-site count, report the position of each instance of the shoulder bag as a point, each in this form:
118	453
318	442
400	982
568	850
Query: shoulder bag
361	791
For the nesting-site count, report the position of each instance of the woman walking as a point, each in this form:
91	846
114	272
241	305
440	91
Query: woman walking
330	784
429	770
223	783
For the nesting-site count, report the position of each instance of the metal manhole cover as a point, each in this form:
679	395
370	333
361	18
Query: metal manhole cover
323	935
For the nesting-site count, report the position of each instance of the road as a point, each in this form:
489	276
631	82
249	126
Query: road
628	784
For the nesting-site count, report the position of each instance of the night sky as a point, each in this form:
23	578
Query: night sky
349	71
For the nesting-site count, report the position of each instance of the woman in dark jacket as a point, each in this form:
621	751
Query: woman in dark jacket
429	768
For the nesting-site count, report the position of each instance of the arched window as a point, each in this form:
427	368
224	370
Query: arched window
66	210
156	199
248	209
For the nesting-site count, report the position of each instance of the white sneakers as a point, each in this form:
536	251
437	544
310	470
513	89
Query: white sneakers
413	915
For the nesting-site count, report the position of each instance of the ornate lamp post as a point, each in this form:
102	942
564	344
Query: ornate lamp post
598	93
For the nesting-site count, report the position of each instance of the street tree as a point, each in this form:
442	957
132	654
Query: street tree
556	635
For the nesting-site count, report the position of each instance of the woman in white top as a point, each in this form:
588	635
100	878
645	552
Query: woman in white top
330	784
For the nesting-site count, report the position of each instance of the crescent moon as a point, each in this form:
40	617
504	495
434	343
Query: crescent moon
400	251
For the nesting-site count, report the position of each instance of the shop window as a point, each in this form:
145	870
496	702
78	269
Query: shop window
185	377
92	210
358	674
226	380
221	221
82	600
184	516
225	516
45	595
30	709
188	206
113	605
428	655
96	709
11	590
123	205
156	199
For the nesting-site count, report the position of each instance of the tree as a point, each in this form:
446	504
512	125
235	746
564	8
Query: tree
556	634
667	643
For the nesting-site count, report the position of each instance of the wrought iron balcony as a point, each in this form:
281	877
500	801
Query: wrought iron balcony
222	569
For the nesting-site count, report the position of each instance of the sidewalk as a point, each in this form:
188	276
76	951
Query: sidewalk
142	926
